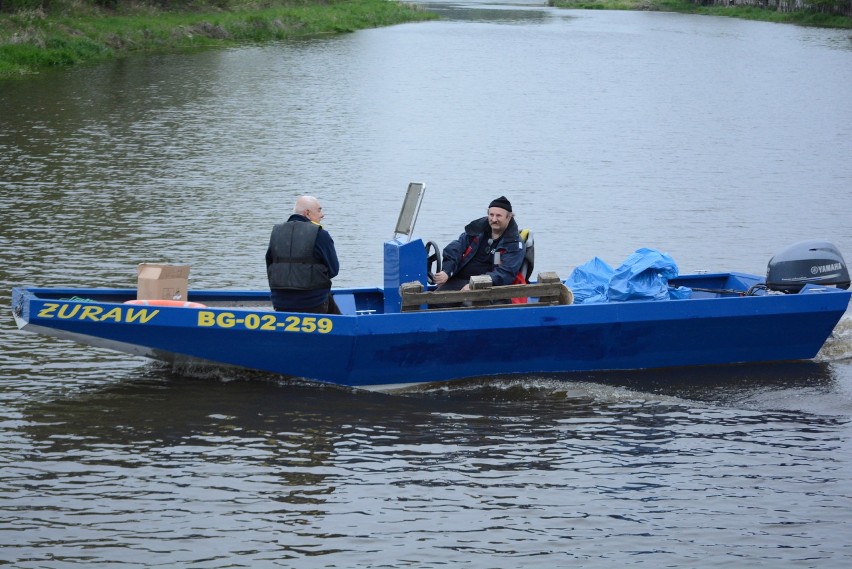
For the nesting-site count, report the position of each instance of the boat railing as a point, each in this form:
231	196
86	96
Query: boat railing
549	290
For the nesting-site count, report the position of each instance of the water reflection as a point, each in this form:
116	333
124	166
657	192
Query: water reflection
191	422
305	471
160	408
284	442
490	12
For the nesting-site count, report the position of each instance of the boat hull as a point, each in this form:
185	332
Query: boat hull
366	347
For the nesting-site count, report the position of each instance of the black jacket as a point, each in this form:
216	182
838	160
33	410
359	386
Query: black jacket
510	248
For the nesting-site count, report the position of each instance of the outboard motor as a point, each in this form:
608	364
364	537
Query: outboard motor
814	262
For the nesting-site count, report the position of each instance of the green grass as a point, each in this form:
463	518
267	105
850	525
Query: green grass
802	17
33	40
75	32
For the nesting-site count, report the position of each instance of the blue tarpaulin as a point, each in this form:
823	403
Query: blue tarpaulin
589	282
644	275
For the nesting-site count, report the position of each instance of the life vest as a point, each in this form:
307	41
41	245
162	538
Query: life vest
293	266
524	275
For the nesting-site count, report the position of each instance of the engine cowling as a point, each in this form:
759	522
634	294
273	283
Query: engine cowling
807	262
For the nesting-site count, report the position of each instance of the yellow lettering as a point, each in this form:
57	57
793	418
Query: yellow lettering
292	324
114	314
91	312
225	320
47	310
252	321
206	318
309	324
142	315
65	314
269	322
265	322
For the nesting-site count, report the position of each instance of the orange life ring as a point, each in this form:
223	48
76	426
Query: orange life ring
178	303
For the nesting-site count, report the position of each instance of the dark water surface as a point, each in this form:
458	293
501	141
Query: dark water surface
716	140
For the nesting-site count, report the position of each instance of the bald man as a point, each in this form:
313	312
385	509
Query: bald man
301	261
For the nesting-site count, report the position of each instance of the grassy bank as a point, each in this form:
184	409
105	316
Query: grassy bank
801	17
74	31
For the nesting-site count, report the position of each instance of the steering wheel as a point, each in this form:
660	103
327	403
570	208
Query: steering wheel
433	257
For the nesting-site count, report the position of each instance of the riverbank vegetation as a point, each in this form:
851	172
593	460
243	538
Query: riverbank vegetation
38	34
817	13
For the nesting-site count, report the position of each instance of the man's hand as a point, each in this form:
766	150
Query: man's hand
441	278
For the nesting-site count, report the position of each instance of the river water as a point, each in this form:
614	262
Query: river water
716	140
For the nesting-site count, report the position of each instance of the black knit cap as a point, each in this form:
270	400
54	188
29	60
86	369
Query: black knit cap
501	202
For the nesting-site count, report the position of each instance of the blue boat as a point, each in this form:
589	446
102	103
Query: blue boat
388	336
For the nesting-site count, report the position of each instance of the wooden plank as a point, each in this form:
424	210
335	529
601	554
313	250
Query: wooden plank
550	278
481	283
550	292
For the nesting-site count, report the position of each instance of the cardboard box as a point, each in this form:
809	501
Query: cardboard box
162	282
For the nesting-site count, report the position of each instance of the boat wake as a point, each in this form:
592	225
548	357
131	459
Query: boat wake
838	346
229	374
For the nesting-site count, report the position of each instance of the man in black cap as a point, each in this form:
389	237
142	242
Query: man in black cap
490	246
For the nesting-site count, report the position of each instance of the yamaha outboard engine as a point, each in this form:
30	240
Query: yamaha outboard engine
814	262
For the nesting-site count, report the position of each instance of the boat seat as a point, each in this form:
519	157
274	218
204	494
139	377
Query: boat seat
528	264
